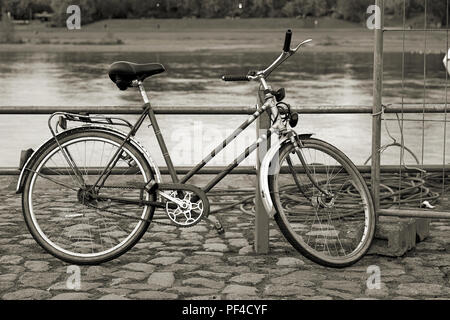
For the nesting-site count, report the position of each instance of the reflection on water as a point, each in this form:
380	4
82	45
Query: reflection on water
192	79
80	79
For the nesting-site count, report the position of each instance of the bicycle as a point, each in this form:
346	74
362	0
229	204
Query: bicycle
90	192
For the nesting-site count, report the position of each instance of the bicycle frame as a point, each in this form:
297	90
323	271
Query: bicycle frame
268	106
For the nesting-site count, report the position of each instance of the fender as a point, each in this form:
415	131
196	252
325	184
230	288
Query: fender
120	134
270	166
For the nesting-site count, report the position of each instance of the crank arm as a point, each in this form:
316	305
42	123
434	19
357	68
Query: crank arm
175	200
180	187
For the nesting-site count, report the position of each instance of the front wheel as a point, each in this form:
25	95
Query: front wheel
327	215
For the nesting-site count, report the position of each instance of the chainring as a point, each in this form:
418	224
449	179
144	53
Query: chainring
193	208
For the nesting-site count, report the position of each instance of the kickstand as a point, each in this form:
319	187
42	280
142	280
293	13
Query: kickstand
216	224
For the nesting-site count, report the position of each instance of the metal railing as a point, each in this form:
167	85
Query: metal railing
261	218
220	110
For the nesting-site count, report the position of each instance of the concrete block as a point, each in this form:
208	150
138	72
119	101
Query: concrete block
394	237
422	229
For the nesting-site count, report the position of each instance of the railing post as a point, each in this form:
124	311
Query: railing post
377	107
261	217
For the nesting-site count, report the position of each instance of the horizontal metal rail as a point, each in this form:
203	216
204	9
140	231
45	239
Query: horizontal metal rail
414	30
222	110
9	171
414	213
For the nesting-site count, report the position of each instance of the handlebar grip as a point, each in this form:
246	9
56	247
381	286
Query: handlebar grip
287	41
230	78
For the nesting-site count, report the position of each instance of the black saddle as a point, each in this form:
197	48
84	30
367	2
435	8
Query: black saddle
123	73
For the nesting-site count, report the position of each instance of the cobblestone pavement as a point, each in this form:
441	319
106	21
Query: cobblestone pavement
197	263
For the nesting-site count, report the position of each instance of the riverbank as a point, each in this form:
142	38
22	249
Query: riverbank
214	35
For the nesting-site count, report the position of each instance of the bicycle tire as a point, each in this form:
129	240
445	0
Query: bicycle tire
35	172
298	240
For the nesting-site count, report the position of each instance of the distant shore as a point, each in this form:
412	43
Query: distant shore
218	35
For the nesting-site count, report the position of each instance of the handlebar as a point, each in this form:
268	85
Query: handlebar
230	78
287	41
287	52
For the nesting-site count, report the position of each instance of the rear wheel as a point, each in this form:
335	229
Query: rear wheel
334	230
65	219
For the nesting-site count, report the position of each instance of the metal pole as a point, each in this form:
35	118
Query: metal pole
414	213
377	108
261	217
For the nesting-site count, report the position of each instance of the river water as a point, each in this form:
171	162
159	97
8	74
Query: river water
193	79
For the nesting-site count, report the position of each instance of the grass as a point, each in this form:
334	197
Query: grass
196	25
203	35
208	25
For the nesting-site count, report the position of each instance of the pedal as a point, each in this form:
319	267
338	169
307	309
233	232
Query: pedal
219	228
216	224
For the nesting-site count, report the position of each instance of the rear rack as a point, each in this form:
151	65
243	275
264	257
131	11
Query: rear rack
65	117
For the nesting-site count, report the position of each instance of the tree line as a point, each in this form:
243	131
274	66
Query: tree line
93	10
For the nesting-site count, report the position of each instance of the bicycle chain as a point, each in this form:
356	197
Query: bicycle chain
116	213
128	216
140	219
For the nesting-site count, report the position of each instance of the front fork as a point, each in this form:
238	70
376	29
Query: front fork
298	145
269	167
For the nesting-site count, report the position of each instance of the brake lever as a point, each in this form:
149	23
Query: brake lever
300	45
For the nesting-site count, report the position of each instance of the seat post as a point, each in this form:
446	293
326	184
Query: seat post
143	92
157	130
